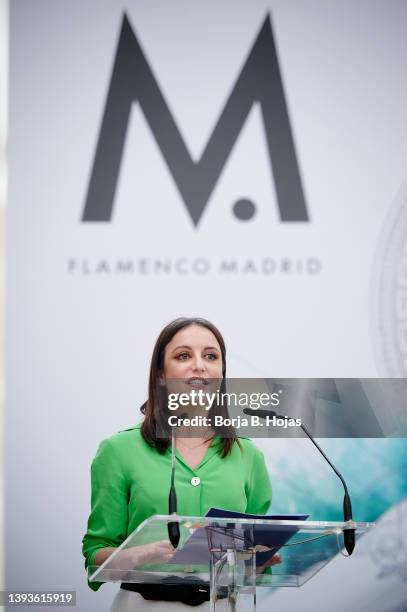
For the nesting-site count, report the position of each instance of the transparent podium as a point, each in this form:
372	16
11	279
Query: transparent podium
228	558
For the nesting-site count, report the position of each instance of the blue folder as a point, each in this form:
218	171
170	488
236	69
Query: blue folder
272	536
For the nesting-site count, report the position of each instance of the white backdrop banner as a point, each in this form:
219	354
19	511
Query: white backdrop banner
236	162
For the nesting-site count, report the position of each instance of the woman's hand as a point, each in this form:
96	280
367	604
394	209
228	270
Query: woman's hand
155	552
127	559
275	560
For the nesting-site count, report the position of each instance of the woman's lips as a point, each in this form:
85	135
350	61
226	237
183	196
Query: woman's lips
197	382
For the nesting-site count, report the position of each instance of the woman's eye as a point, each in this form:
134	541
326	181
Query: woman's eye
182	356
211	356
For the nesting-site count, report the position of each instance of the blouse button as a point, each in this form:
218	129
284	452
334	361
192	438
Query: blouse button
195	481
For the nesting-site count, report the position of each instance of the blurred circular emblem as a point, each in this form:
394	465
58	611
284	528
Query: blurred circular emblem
390	292
387	544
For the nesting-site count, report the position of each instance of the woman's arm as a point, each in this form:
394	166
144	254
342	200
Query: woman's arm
259	486
155	552
108	519
103	554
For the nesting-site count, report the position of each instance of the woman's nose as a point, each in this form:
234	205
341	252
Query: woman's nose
199	363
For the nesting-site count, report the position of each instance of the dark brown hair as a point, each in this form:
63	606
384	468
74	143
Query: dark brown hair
150	408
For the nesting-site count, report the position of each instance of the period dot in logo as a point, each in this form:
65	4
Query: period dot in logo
244	209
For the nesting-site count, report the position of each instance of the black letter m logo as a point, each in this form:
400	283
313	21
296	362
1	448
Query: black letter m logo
133	81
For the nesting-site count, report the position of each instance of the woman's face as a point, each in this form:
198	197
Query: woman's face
193	355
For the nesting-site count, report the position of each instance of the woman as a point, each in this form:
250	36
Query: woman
131	471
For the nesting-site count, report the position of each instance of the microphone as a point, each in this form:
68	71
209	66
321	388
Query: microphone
173	526
348	534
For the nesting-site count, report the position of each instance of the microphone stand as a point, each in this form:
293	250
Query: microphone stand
348	534
173	526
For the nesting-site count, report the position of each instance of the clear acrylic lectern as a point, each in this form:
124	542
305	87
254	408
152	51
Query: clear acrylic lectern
229	555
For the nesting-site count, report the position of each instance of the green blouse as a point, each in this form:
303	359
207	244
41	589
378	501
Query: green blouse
131	480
